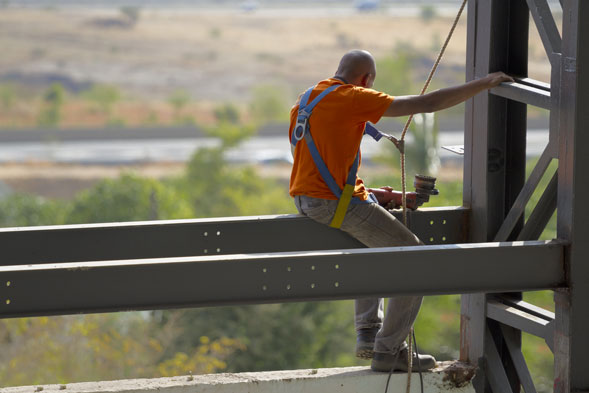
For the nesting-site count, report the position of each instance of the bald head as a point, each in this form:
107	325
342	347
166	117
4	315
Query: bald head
358	68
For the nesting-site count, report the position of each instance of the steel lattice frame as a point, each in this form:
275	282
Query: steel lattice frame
186	263
497	193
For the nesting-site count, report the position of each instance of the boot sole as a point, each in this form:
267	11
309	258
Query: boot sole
365	353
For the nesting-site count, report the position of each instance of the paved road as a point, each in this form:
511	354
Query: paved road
178	145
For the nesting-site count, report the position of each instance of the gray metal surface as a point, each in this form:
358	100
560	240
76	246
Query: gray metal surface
542	212
62	288
510	336
520	319
524	306
519	206
494	368
524	93
157	239
533	83
472	319
495	145
572	318
546	26
555	92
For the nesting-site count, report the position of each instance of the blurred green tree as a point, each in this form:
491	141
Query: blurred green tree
131	14
395	73
277	336
227	113
269	104
216	188
421	148
53	100
179	99
104	98
395	76
128	198
18	210
7	96
99	347
427	12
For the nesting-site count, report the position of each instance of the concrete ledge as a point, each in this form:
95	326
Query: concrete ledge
448	377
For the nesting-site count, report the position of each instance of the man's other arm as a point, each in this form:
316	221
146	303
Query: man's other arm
443	98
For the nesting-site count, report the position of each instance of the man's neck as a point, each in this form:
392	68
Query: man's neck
339	78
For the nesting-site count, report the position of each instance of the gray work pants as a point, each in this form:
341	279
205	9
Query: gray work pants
375	227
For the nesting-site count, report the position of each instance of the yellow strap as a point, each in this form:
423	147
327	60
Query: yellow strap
342	206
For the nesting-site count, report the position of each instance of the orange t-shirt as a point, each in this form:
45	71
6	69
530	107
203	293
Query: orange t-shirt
337	126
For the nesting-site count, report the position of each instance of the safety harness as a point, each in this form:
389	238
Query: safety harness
302	130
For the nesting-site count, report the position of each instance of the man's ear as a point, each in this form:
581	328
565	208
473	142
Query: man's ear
364	80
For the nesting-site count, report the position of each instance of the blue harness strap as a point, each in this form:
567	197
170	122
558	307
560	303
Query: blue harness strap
302	130
305	113
373	132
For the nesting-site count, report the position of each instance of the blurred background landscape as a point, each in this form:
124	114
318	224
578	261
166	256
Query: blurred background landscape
148	110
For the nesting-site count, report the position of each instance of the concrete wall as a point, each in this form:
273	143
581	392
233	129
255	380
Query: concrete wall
448	377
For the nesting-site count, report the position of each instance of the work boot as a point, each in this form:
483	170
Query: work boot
385	361
365	342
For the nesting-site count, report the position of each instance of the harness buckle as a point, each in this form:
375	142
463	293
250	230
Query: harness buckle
299	130
301	127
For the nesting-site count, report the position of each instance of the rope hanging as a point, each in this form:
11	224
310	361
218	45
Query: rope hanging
410	119
400	143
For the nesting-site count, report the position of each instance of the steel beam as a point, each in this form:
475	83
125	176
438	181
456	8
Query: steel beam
546	28
517	210
495	146
533	83
526	307
159	239
542	212
523	93
522	320
495	370
572	318
100	286
472	313
511	338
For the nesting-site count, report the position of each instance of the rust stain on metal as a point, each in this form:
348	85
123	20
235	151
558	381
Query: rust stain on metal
464	341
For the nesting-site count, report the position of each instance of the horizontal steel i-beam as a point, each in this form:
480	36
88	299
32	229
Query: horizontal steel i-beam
540	325
525	91
64	288
210	236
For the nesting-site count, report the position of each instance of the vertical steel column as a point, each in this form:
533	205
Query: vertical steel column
572	317
495	136
472	318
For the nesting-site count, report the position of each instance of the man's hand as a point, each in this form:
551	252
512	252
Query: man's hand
391	199
496	78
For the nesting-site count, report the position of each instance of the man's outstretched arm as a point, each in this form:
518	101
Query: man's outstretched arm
443	98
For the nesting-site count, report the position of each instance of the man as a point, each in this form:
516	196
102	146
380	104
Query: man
330	136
